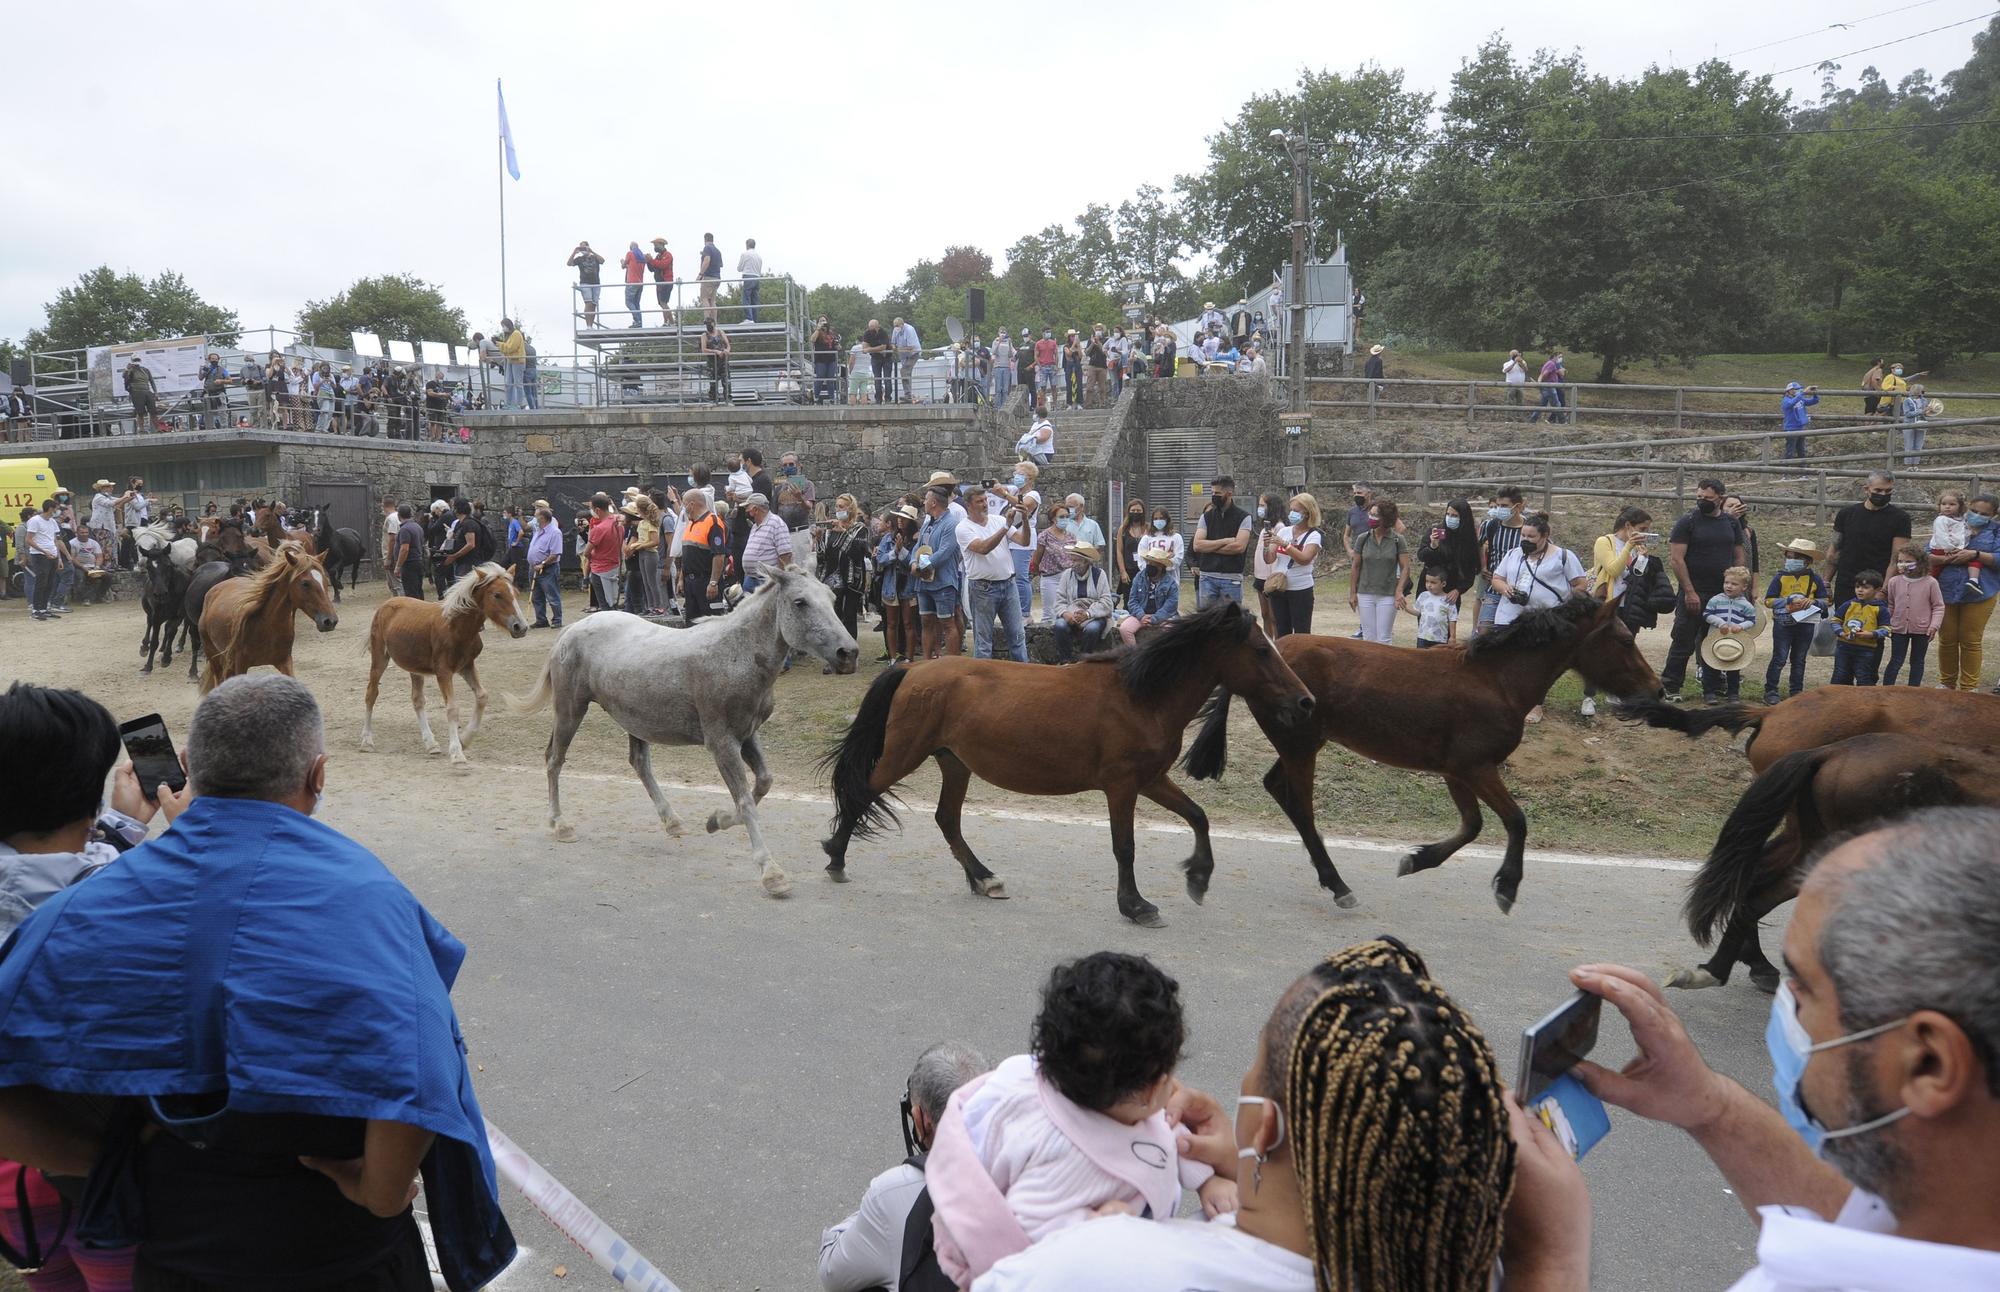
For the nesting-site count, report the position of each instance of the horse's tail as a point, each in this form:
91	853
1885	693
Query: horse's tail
1209	753
1735	865
852	761
537	698
1692	723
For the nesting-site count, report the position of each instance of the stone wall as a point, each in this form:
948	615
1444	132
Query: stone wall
396	469
1251	446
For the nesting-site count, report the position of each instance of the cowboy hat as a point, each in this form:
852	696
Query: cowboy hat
631	509
103	484
631	491
1088	551
941	478
1374	349
541	504
907	512
659	242
1734	652
1208	305
1803	546
1157	555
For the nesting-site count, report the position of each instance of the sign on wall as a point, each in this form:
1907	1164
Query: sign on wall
175	365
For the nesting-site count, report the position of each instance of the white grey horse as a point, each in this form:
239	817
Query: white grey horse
161	536
706	685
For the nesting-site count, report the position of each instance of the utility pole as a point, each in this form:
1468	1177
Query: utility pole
1297	145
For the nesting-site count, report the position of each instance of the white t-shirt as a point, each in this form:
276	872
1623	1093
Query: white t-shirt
41	533
1135	1255
1171	544
1546	579
749	265
104	512
1515	371
996	564
1435	616
1298	575
1799	1252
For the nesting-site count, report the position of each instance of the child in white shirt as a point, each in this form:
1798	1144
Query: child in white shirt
1076	1128
1436	612
1949	532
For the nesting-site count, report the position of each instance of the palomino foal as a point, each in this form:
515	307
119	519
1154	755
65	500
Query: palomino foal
439	639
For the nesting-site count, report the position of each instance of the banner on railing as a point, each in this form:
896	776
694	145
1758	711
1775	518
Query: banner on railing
175	365
563	1209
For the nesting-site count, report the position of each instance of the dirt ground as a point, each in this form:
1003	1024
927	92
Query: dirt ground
1588	786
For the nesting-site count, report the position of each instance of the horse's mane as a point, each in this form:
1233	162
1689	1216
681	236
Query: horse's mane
464	594
267	582
1535	629
1160	663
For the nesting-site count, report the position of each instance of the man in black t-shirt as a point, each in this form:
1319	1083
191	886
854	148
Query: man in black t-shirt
1865	535
1704	543
437	403
881	358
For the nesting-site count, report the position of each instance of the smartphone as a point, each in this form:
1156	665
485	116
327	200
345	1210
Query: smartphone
1553	1046
152	752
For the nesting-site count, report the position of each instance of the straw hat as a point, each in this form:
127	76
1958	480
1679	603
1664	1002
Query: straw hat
1088	551
1374	349
907	512
1804	547
1734	652
541	504
103	484
941	478
1159	556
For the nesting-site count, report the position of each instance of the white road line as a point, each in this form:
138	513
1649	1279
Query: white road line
1101	823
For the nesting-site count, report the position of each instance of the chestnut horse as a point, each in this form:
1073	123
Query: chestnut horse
1122	715
248	621
271	524
439	639
1822	716
1457	712
1815	794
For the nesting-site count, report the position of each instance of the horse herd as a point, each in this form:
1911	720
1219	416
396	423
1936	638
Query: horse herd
1826	761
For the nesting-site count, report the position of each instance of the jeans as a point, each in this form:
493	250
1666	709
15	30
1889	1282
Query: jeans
324	421
1026	586
516	387
1211	588
41	581
413	578
750	286
1961	646
1916	645
548	595
1378	617
1292	611
825	380
1795	448
1003	381
1689	629
1791	642
634	293
1552	397
1489	610
1913	442
531	388
885	377
606	583
991	597
1856	665
1083	638
65	579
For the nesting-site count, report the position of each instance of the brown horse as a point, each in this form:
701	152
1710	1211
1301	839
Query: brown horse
1826	715
1458	713
1814	794
246	622
271	524
439	639
1122	714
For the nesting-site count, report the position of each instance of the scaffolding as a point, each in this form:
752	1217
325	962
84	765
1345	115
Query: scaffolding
649	340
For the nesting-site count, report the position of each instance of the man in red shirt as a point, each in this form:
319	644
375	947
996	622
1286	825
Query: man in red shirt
1047	352
661	262
634	263
603	552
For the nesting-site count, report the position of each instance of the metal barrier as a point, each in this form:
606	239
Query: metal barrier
1565	470
1678	406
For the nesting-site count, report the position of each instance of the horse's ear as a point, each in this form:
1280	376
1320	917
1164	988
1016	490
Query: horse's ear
1611	603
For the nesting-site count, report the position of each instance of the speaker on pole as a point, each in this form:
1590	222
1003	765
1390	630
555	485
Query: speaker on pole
23	373
975	304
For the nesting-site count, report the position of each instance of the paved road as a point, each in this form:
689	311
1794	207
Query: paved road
717	1072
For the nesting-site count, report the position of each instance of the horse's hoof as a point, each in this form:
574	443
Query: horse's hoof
1504	898
838	874
1766	982
460	763
434	749
675	829
146	671
1410	864
565	832
1692	979
1148	917
714	822
368	744
776	882
1346	901
992	888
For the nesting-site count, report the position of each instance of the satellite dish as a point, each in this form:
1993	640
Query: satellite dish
955	330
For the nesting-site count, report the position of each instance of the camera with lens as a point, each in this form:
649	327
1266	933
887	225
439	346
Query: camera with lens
1518	597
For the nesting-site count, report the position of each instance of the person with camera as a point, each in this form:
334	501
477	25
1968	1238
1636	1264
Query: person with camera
1797	399
1535	575
289	1054
886	1240
587	264
1623	565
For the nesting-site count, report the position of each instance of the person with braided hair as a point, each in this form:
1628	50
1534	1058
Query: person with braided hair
1379	1153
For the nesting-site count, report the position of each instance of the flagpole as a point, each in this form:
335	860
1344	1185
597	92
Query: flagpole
500	173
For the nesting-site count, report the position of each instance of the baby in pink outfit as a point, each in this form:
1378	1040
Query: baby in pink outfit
1074	1129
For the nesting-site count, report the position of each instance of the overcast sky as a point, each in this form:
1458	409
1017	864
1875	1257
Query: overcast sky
274	153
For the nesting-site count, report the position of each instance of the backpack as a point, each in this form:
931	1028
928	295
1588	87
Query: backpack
483	546
920	1272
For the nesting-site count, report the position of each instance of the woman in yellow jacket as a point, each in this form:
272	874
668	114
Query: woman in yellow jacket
1621	564
514	362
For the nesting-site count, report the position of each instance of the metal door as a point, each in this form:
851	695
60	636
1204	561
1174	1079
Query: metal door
1179	464
349	506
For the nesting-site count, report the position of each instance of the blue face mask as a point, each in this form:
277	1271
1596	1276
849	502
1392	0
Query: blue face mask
1793	565
1260	511
1791	1050
1295	517
1159	522
1451	520
1018	480
1499	513
1977	520
1066	525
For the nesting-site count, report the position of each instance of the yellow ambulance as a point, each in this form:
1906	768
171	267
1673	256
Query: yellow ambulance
24	482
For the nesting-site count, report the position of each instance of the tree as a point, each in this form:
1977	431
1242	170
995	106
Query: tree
1156	236
964	264
847	308
107	308
1368	134
402	307
1937	292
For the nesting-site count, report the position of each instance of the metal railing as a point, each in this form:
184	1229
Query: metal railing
650	340
1474	401
1817	484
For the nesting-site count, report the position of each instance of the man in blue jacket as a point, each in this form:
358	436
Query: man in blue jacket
1797	399
936	572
